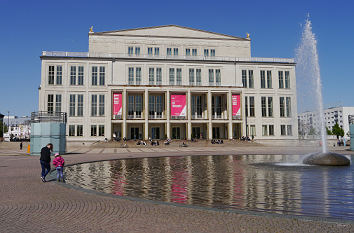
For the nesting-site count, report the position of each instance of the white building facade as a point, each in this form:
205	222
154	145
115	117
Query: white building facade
169	82
332	116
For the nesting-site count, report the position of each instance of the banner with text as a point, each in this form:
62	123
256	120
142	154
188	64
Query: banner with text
117	104
236	105
178	105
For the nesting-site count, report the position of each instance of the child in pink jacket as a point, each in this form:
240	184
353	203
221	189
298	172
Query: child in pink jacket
59	162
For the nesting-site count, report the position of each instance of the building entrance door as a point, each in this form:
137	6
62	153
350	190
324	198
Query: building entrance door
134	132
196	132
155	133
176	133
216	132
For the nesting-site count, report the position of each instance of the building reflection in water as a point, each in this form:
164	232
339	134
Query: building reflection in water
242	182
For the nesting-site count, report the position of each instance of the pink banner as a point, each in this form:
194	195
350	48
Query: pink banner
236	105
178	105
117	104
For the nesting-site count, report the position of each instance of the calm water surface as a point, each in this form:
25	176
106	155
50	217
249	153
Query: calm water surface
265	183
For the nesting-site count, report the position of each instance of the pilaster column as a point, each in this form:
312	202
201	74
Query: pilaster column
229	111
210	124
168	113
189	114
146	114
124	103
108	130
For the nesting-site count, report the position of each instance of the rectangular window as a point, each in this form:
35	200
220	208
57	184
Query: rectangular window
93	130
282	130
262	79
188	52
80	77
101	130
169	52
131	76
72	105
281	81
287	79
101	105
253	130
217	77
71	130
270	106
80	105
130	51
244	78
269	79
212	52
73	75
198	77
158	76
246	106
175	51
194	52
94	76
252	106
57	103
59	75
102	75
264	106
191	77
282	107
150	51
172	76
137	51
51	75
289	130
138	76
179	76
271	130
288	107
151	76
211	77
157	51
94	105
250	79
79	130
50	105
264	130
206	52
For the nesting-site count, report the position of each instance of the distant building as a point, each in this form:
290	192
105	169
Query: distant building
19	128
309	121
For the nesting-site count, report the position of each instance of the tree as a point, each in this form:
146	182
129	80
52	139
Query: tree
338	131
2	130
312	131
329	132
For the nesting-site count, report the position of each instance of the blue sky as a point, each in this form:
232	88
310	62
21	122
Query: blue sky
28	27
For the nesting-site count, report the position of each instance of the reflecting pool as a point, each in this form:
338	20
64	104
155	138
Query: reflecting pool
264	183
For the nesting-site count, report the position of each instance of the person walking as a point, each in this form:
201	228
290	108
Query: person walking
21	146
59	162
45	160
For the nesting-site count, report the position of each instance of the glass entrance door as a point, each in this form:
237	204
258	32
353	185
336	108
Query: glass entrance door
176	133
134	133
216	132
196	132
155	132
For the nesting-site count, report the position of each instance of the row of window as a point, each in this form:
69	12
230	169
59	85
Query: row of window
55	75
267	106
266	79
77	130
76	104
175	76
169	51
268	130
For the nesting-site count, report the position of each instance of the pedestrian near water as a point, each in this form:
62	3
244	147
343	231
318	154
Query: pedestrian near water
45	160
59	162
21	146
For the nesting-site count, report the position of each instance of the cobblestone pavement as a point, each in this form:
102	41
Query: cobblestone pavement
28	205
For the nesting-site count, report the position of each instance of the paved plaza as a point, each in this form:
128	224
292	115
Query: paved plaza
28	205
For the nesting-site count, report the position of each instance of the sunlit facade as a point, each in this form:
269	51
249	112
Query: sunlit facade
169	82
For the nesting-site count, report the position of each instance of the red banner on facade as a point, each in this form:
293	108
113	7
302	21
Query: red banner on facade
117	104
178	105
236	105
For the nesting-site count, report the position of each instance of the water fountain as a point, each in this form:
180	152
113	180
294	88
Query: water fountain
308	65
